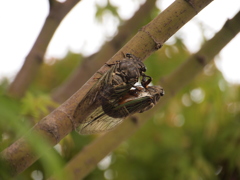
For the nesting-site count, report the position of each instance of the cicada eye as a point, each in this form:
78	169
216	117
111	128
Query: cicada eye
129	55
124	73
143	69
162	93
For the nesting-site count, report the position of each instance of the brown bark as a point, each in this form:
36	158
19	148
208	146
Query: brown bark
60	122
85	161
34	59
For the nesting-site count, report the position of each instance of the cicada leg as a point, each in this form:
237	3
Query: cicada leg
131	56
145	82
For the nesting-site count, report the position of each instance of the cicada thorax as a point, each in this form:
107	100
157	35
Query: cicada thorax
123	75
134	68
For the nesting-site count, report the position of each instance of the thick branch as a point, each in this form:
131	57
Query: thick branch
60	122
86	160
35	57
91	64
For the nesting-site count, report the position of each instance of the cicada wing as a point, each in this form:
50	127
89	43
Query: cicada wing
123	110
138	105
98	122
92	97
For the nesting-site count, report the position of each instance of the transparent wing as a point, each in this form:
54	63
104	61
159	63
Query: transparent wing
98	122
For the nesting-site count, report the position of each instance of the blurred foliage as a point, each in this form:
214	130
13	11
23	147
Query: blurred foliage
166	60
106	7
56	71
18	116
195	136
32	102
13	125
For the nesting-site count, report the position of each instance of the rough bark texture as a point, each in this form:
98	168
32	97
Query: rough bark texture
60	122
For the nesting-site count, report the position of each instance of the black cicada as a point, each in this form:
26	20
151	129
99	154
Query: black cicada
115	97
107	116
114	84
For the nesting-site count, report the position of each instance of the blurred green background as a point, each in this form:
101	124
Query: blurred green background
195	136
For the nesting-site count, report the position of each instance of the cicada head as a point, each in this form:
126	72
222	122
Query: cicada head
138	63
153	93
130	69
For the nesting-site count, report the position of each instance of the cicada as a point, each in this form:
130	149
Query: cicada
107	116
108	100
113	84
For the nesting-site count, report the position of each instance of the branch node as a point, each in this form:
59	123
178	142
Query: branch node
52	130
53	3
201	59
134	119
158	45
229	27
69	117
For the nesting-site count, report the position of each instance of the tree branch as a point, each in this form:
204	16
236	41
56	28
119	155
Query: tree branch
60	122
35	57
85	161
